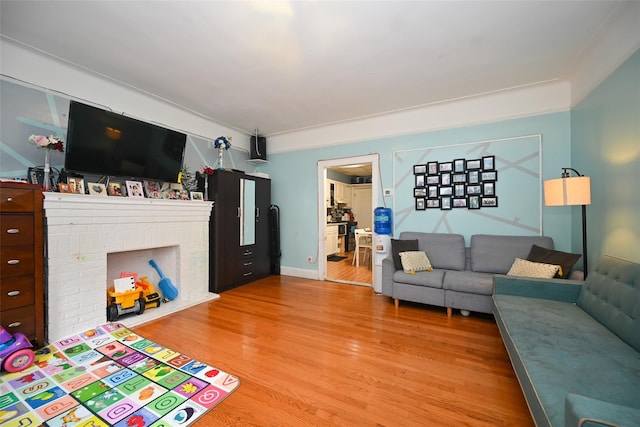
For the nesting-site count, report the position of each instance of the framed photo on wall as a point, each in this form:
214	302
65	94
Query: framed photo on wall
473	177
419	180
473	164
419	169
489	176
445	203
489	163
458	165
460	202
432	168
420	206
474	202
433	203
489	202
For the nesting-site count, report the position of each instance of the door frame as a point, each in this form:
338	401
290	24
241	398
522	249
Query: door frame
374	159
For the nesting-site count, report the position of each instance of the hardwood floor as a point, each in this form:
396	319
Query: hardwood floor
321	353
345	271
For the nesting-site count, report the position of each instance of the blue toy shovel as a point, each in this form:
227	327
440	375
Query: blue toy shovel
167	288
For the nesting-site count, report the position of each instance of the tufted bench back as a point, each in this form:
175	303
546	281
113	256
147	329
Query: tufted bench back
611	295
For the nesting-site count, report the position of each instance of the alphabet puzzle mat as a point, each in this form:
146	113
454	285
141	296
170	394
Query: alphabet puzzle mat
111	376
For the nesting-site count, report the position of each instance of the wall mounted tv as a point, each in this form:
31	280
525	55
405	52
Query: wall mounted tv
101	142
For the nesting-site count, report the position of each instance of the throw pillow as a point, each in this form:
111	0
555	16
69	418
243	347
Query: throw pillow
548	256
522	267
398	246
413	261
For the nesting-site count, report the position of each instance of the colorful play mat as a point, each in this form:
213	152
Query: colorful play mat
111	376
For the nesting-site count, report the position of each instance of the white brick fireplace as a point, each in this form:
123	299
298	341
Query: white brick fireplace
91	239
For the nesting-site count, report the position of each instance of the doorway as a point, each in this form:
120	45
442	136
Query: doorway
341	268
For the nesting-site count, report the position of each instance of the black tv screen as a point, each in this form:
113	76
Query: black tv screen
101	142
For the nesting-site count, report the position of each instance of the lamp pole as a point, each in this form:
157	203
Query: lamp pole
585	261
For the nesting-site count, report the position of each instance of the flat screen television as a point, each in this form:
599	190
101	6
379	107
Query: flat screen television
101	142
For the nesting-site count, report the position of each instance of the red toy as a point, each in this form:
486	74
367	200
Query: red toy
15	351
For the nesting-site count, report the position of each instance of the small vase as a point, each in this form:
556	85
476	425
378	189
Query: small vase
220	157
46	184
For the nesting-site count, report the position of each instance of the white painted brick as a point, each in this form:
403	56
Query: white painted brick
82	231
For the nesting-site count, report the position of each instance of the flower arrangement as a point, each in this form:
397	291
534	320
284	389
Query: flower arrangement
222	142
48	142
206	170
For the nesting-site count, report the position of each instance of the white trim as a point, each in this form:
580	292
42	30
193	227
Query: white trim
374	159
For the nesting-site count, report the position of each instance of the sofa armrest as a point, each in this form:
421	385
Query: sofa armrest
551	289
388	268
582	411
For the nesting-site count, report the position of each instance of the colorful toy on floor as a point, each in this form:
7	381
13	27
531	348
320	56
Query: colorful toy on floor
15	351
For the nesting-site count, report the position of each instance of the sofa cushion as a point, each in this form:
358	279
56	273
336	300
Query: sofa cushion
522	267
548	256
468	281
415	261
445	251
611	294
398	246
495	254
430	279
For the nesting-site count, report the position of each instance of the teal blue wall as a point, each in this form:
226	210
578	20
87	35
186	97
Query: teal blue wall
295	186
605	130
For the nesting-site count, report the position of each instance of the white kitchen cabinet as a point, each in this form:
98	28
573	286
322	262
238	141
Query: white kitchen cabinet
331	244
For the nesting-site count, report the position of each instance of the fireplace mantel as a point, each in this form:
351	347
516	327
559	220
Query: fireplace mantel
81	230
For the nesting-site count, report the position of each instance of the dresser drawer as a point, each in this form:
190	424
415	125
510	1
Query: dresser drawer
16	200
16	292
21	319
16	230
16	261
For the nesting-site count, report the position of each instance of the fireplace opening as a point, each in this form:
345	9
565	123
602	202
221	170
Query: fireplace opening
137	261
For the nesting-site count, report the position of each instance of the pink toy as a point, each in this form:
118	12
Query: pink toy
15	351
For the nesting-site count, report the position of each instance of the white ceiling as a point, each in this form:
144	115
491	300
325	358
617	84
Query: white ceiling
290	65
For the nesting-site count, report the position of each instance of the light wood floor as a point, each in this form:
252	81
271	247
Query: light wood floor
320	353
345	271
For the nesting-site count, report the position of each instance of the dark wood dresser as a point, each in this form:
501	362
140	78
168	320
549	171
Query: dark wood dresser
22	260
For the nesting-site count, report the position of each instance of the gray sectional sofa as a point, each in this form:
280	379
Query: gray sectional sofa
462	277
575	347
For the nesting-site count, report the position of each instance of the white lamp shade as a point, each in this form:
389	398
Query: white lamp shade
567	191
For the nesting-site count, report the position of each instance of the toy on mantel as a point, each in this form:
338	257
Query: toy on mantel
15	351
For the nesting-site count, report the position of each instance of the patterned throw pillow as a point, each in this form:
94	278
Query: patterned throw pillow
522	267
413	261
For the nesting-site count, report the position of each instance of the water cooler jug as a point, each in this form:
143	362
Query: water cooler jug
383	228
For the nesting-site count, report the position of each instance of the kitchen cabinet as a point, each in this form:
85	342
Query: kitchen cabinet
238	230
22	260
331	244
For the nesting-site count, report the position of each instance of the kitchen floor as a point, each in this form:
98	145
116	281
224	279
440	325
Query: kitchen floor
344	271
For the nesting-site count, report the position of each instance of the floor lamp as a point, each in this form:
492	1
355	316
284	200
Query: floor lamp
571	191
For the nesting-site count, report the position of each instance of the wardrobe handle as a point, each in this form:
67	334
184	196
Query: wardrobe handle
13	231
14	324
9	199
13	261
13	293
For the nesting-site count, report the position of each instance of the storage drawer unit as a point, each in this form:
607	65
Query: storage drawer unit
22	260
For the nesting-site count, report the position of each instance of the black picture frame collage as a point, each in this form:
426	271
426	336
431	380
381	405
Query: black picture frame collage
455	184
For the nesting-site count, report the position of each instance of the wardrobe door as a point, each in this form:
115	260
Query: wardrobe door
263	233
224	238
